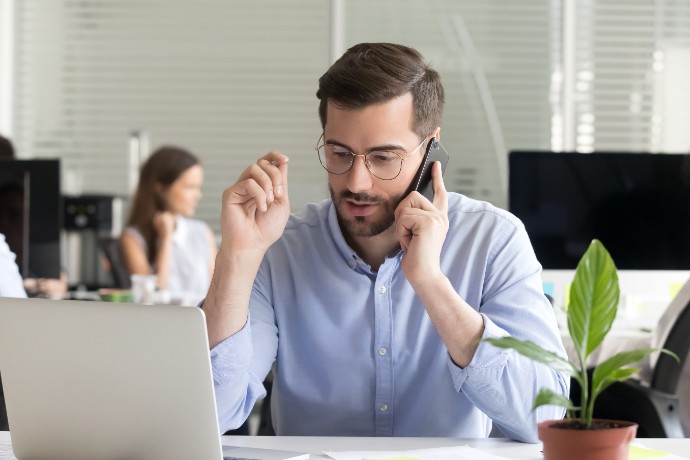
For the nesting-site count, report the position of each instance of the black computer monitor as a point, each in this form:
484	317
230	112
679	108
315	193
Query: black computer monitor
31	214
637	204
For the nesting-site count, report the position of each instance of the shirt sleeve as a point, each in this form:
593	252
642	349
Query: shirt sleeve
11	284
500	382
236	388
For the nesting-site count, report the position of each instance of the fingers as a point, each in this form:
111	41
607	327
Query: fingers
417	200
274	164
440	194
262	183
416	215
164	221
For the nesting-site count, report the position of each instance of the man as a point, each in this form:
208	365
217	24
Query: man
11	284
370	306
11	212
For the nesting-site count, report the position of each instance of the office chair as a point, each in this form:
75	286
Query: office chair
655	408
113	253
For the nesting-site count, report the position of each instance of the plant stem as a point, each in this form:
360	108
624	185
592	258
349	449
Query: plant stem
586	408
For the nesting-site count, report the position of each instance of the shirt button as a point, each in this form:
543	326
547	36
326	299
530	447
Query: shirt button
382	351
382	289
383	407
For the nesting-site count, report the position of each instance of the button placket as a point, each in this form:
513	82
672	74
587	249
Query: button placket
384	366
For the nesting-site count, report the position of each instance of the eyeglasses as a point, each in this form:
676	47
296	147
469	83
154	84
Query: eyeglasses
384	164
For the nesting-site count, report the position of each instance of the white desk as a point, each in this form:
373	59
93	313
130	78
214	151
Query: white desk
501	447
317	445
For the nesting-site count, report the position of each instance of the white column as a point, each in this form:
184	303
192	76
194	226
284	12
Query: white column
337	29
6	67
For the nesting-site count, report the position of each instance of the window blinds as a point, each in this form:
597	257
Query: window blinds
232	80
630	59
227	80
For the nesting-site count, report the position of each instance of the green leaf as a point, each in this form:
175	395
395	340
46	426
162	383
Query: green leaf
607	370
594	296
613	377
547	397
535	353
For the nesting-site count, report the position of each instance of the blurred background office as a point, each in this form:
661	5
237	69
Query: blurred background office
98	84
76	78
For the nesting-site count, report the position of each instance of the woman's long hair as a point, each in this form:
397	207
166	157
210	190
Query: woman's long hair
158	173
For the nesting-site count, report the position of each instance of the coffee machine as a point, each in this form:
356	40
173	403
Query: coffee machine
91	222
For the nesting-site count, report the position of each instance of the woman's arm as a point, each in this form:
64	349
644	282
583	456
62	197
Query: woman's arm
165	227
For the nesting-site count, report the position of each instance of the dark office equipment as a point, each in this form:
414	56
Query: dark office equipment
637	204
112	251
92	212
31	214
93	224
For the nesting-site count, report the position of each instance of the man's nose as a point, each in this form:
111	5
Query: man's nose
359	176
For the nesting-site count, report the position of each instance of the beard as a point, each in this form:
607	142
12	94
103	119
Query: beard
361	226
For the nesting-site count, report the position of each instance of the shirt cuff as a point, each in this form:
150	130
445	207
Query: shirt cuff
232	356
488	361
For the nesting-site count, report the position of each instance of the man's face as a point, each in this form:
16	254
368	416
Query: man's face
364	203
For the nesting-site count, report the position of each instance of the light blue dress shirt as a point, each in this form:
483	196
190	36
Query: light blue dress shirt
354	352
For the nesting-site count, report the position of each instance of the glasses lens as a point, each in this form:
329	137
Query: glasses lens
338	160
335	159
384	164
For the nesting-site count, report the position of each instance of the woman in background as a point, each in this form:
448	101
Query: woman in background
161	238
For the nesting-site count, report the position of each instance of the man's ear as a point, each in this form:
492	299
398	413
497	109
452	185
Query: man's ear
437	133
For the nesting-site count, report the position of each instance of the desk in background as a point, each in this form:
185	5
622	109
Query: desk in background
645	294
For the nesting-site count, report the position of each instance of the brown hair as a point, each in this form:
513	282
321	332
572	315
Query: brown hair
161	169
371	73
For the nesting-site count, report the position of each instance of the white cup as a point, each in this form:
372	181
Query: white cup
144	288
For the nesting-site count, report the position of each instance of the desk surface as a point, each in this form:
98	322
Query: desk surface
501	447
317	445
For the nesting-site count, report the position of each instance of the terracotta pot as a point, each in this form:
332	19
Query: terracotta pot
599	444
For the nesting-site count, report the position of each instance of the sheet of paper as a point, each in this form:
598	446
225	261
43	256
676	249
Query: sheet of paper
437	453
639	452
6	450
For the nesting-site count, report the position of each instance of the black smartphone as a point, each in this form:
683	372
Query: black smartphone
422	180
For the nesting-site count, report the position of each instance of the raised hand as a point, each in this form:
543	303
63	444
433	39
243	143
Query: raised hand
256	208
421	227
164	222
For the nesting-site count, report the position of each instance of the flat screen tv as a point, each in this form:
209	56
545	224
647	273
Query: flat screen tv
637	204
31	214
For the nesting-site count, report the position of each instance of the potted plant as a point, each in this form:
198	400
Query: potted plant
593	305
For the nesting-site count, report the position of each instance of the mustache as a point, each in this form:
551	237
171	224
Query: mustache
361	197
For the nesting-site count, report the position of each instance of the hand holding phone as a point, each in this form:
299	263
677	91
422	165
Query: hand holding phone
422	180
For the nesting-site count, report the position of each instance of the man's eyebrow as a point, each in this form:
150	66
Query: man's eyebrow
386	147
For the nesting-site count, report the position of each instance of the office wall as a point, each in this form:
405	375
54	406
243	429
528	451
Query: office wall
228	80
233	79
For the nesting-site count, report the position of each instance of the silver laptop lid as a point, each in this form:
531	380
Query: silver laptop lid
95	380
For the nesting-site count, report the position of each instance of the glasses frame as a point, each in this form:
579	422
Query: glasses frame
321	144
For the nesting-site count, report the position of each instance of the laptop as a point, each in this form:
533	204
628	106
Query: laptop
101	380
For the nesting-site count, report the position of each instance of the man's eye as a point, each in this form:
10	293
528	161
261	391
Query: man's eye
339	152
383	157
